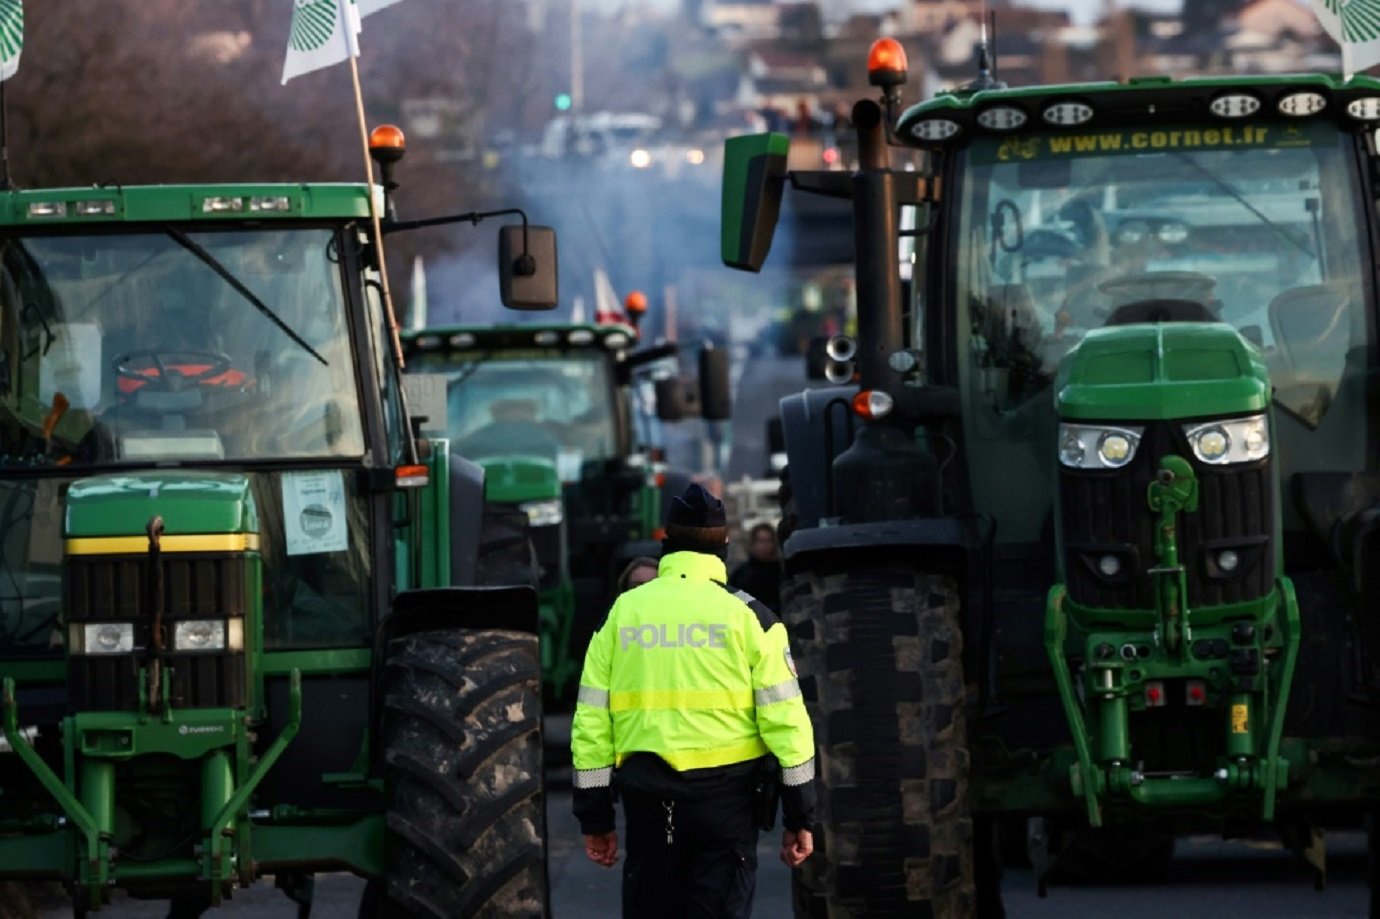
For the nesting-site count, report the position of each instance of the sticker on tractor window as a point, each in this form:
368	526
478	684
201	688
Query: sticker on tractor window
1240	719
314	512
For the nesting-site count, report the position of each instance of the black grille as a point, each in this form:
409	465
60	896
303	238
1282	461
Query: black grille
1105	512
195	586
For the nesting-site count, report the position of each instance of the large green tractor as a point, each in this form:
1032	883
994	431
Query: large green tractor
1089	543
236	639
561	418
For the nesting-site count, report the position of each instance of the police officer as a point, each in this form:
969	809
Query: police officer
689	691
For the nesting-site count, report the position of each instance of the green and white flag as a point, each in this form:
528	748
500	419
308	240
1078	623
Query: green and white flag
324	32
1355	25
11	36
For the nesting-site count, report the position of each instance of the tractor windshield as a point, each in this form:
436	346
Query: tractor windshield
1252	225
174	346
561	409
1255	225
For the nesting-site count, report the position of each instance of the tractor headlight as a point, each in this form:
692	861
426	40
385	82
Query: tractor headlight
544	513
102	638
199	635
1088	446
1238	440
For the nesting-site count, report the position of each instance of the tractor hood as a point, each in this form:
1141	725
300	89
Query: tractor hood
1161	371
519	478
189	503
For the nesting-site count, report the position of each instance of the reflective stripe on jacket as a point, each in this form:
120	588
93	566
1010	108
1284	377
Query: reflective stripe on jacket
688	669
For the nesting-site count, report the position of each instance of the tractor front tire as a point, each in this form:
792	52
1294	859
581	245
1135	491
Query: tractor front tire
880	656
462	747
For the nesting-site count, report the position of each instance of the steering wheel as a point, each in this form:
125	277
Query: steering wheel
1159	285
151	368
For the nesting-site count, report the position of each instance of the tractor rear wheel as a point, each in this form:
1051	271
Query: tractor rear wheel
880	653
462	748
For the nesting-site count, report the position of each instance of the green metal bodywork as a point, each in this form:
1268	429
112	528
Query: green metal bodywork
1132	375
62	822
1162	371
523	479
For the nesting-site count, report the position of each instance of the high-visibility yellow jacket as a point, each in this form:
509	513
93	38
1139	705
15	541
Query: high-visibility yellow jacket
694	672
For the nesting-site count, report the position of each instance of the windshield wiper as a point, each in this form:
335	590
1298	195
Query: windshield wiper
1281	231
210	261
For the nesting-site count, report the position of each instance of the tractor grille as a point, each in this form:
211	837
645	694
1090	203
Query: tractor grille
104	588
1105	512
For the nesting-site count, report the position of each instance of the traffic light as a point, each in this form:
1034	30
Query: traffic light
563	102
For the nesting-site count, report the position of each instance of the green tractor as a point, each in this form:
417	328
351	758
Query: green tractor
235	638
1089	544
558	416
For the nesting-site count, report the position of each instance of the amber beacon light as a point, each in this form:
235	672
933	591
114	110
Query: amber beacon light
886	63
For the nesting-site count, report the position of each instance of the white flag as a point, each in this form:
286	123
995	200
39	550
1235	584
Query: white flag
324	32
12	36
1355	25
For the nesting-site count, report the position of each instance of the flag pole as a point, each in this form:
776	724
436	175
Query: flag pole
394	340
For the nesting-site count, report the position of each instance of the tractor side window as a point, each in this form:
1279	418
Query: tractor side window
30	566
385	368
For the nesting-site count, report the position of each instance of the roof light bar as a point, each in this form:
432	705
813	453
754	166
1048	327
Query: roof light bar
934	129
1301	105
1364	109
1067	114
1234	105
462	340
95	208
1002	118
221	204
270	203
47	208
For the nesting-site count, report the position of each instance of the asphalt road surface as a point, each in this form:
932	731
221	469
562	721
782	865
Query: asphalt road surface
1209	878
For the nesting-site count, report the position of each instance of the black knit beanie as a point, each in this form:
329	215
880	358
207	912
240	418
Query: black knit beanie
696	522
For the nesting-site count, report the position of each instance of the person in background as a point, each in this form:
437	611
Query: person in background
690	693
638	572
760	575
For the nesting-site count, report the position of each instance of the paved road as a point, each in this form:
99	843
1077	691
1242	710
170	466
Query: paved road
1209	878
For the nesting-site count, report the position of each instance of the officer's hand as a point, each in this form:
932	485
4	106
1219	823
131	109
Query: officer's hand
602	850
796	847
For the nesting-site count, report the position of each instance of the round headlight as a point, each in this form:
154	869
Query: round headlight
1071	450
1213	444
1114	448
1227	560
1130	232
1172	232
1109	565
197	634
1257	442
109	636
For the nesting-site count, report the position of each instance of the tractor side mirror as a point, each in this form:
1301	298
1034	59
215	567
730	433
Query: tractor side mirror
754	180
716	392
670	398
527	267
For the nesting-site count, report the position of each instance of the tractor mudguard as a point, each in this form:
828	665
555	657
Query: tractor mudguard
509	607
948	535
818	425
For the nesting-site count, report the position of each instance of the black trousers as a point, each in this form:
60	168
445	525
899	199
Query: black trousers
707	871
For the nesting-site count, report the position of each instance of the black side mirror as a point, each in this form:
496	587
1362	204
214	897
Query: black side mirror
716	393
527	267
670	399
